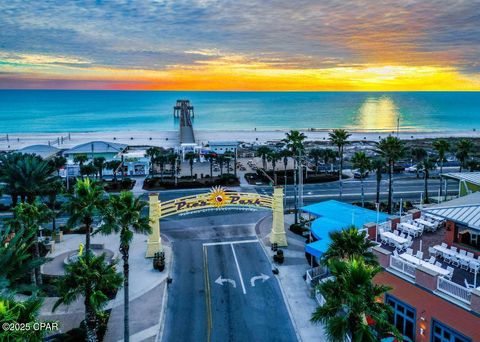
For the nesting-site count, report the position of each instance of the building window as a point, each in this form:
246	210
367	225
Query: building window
442	333
403	317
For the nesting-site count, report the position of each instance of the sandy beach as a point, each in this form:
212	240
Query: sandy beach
169	139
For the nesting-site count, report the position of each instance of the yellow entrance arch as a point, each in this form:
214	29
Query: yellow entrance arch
217	198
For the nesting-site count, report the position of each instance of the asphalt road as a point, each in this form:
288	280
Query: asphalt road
223	288
407	187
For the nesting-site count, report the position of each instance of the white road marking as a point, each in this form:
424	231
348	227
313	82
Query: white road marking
228	242
262	276
221	280
358	194
238	269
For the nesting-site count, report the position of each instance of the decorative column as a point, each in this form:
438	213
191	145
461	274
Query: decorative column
278	234
154	243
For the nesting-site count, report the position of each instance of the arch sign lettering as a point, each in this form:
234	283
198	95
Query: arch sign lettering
218	198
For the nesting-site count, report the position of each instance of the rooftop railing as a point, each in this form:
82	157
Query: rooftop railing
402	266
454	290
315	274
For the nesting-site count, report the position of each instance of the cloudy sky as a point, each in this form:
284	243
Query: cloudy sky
241	45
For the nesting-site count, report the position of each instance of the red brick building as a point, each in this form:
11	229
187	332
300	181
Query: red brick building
429	306
431	312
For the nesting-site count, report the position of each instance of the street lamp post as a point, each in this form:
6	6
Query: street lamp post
295	190
300	179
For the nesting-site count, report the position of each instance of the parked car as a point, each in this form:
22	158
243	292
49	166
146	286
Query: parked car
412	169
358	174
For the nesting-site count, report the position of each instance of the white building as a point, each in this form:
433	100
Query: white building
220	147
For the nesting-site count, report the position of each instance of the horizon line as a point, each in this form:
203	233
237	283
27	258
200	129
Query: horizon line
244	91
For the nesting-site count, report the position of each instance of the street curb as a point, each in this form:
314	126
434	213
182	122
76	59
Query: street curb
161	319
282	290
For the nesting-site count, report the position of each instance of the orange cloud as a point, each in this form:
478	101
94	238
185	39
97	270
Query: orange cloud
241	72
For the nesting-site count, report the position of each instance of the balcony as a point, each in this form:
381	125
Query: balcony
453	287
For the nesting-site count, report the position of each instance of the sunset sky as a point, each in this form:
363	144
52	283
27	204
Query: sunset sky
240	45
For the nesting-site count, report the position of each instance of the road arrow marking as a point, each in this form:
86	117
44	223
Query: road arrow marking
262	276
221	280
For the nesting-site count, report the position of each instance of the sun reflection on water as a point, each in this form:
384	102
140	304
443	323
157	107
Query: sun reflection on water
377	113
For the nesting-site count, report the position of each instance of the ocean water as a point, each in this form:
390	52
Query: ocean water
26	111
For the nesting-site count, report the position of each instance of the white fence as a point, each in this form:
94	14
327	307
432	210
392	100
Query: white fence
406	218
315	273
402	266
319	298
386	226
455	290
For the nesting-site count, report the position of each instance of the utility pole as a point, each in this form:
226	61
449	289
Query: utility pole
300	180
295	189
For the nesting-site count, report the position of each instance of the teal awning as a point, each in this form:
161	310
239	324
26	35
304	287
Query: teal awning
315	248
334	215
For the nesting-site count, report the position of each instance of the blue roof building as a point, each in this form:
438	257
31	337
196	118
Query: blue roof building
334	215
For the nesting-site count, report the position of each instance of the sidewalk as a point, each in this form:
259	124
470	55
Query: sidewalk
296	291
147	291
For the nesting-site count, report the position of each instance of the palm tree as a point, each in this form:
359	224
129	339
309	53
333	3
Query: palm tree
24	312
339	138
364	164
418	154
316	154
99	163
211	158
16	259
94	279
56	189
294	143
349	243
172	160
161	160
123	215
329	156
9	175
80	159
228	159
153	153
464	148
57	163
442	146
263	152
273	157
427	165
190	157
285	154
350	298
88	170
30	217
113	165
391	149
84	206
25	175
221	161
378	164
